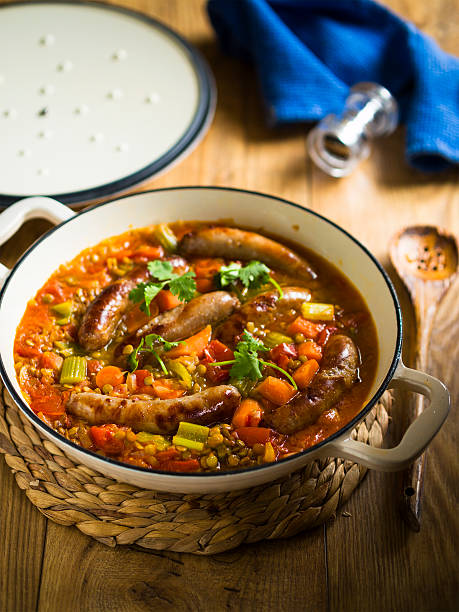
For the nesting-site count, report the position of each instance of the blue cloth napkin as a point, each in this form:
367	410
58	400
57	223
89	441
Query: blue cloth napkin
309	53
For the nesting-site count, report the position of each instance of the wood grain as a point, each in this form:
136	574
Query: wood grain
365	561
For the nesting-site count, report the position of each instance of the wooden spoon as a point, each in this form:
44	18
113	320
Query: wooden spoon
426	259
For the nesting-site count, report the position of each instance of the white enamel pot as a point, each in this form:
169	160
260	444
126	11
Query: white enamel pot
78	231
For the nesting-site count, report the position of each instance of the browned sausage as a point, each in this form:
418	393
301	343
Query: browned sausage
187	319
338	372
105	311
234	243
265	308
145	413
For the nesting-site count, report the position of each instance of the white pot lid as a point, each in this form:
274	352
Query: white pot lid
93	100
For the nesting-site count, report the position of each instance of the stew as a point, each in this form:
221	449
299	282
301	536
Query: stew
195	347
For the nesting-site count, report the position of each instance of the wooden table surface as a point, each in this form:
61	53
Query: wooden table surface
365	560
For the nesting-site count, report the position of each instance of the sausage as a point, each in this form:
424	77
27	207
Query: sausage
265	308
234	243
105	311
338	372
187	319
146	413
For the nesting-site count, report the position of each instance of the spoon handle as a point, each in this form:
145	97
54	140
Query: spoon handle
426	297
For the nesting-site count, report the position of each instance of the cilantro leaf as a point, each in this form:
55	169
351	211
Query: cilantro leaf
183	287
162	270
228	275
152	339
151	290
150	344
251	342
246	363
133	358
254	274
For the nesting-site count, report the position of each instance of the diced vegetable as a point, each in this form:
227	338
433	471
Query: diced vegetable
64	309
254	435
247	414
166	300
166	237
163	388
276	390
109	375
305	373
73	370
270	454
144	437
161	443
104	438
311	350
194	344
244	385
302	326
176	367
318	312
274	338
325	334
51	361
207	268
191	435
283	353
51	405
65	348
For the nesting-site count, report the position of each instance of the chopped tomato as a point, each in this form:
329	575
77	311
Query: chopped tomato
311	350
217	351
276	390
164	388
166	300
103	437
51	405
94	366
167	455
120	390
254	435
109	375
303	326
282	353
325	334
145	252
51	361
247	414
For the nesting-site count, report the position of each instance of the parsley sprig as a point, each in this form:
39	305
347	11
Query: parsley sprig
182	286
247	363
151	344
253	275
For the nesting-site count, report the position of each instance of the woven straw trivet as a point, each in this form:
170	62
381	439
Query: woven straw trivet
117	513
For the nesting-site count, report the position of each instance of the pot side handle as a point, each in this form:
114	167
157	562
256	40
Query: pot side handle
29	208
417	436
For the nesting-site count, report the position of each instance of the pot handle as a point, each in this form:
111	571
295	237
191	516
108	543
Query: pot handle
29	208
417	436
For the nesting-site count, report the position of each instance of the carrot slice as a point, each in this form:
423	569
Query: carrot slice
194	344
203	285
166	300
247	414
109	375
276	390
305	373
302	326
254	435
311	350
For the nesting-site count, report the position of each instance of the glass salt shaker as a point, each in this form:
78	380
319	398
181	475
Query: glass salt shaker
338	143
